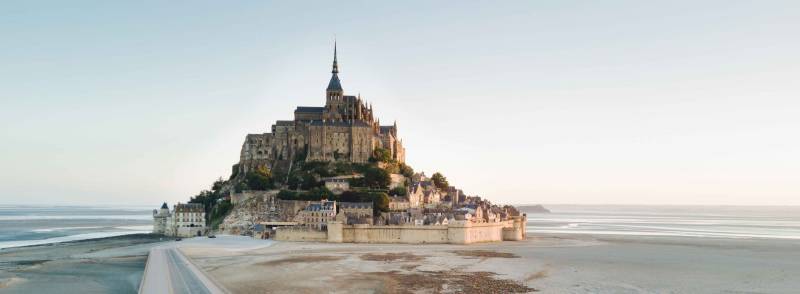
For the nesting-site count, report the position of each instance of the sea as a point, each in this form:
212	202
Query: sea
36	225
740	222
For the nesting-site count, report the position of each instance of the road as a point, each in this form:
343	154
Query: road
168	271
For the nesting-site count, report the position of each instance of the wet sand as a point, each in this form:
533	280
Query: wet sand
107	265
547	264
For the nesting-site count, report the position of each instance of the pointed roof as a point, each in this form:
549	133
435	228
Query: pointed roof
335	84
335	63
164	205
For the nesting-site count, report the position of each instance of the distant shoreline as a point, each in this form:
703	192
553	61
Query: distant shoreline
133	236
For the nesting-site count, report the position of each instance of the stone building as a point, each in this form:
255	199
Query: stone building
337	185
318	214
345	129
356	212
185	220
161	218
399	203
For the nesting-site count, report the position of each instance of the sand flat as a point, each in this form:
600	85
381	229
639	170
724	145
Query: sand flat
548	264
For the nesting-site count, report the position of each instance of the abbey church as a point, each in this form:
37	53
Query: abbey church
345	129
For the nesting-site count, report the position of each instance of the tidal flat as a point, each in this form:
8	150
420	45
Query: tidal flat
105	265
543	264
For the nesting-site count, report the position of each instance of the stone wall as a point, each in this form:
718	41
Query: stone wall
187	232
300	234
408	234
457	232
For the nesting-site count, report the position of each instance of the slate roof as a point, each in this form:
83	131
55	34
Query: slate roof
386	129
309	109
334	84
320	206
362	205
342	123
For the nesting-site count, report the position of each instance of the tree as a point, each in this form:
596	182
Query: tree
406	170
377	178
398	191
351	196
316	194
309	182
219	212
218	184
440	181
287	195
381	155
260	179
240	187
380	202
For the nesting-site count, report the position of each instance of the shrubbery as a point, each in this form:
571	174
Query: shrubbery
398	191
260	179
440	181
377	178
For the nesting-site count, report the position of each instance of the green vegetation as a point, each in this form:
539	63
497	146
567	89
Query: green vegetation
211	199
440	181
377	178
315	194
381	155
260	179
372	187
218	213
399	191
380	200
406	170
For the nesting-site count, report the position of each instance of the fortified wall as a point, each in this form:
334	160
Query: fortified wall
458	232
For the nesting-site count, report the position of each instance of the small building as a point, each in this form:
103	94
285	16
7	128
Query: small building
399	203
339	184
189	220
318	214
356	212
185	220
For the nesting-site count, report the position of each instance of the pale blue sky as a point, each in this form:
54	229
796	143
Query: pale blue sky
679	102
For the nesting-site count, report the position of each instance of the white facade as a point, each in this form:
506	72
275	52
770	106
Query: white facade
185	220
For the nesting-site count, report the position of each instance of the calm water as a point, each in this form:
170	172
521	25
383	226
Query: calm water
30	225
685	221
33	225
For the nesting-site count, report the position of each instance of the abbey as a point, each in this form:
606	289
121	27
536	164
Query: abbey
345	129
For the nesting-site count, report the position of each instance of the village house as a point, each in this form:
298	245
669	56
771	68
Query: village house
318	214
399	203
356	212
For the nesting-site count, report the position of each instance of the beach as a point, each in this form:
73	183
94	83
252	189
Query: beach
103	265
574	249
546	264
542	263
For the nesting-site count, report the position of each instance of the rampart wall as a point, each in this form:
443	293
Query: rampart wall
459	232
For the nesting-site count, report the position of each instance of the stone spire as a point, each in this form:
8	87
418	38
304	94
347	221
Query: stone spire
335	63
334	90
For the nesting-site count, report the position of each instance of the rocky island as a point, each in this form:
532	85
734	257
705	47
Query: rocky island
334	173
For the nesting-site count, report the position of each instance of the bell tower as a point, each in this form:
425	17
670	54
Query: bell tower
334	92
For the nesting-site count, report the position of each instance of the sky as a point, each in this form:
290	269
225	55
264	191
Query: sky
521	102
